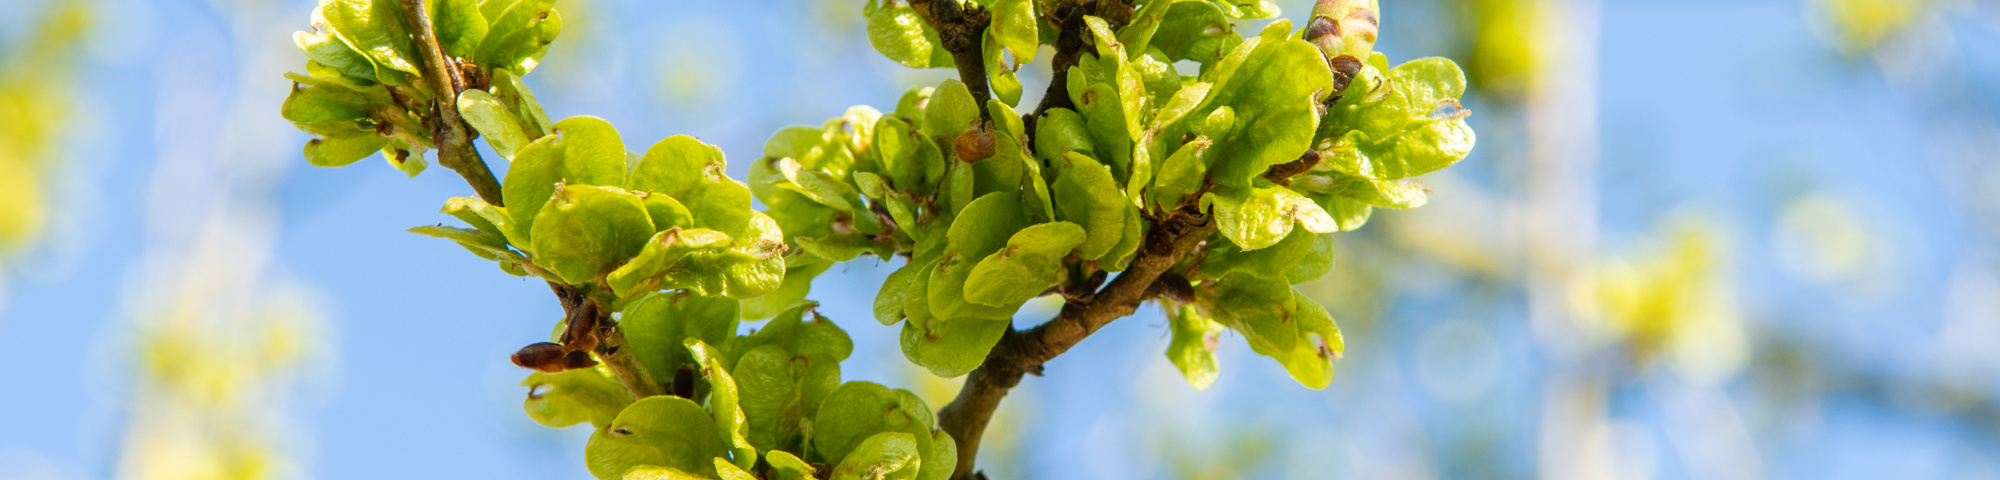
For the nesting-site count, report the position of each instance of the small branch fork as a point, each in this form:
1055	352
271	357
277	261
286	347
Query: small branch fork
1018	354
449	133
1068	19
1022	353
963	30
589	326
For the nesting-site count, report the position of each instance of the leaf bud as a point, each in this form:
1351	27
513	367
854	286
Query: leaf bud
974	145
1344	31
578	359
541	356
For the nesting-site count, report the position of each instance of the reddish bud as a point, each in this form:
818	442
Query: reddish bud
542	356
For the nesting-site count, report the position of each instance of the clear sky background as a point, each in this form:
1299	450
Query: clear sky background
1730	111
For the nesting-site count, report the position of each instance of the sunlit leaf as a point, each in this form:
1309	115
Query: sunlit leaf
895	29
661	254
799	275
459	26
800	335
790	467
1029	264
951	110
1195	338
1259	217
341	151
585	231
657	324
857	411
661	430
781	390
1417	126
1194	30
1086	194
883	456
1319	343
501	128
376	29
950	348
1273	93
723	404
558	400
1060	131
982	229
1260	308
518	36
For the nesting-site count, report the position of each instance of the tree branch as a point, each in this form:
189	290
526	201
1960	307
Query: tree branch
963	31
624	365
450	134
1022	353
589	329
1068	18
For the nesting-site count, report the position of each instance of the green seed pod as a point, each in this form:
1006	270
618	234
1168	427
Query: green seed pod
1344	31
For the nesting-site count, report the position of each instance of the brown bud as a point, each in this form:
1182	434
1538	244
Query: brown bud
1343	27
578	359
1322	28
1282	173
542	356
1174	287
975	145
1345	68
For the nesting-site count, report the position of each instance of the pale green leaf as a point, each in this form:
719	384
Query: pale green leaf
585	231
1195	30
1260	308
501	128
781	390
1192	350
1310	359
1029	264
377	30
329	51
662	253
722	403
900	34
799	275
661	430
883	456
558	400
1259	217
1086	194
792	331
459	26
657	325
950	348
951	110
341	151
790	467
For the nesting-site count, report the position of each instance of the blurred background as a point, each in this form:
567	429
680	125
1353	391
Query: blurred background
1710	239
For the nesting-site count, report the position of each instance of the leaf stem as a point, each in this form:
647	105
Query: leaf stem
450	134
1021	353
624	365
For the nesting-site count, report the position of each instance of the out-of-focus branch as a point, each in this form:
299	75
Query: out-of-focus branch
449	133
